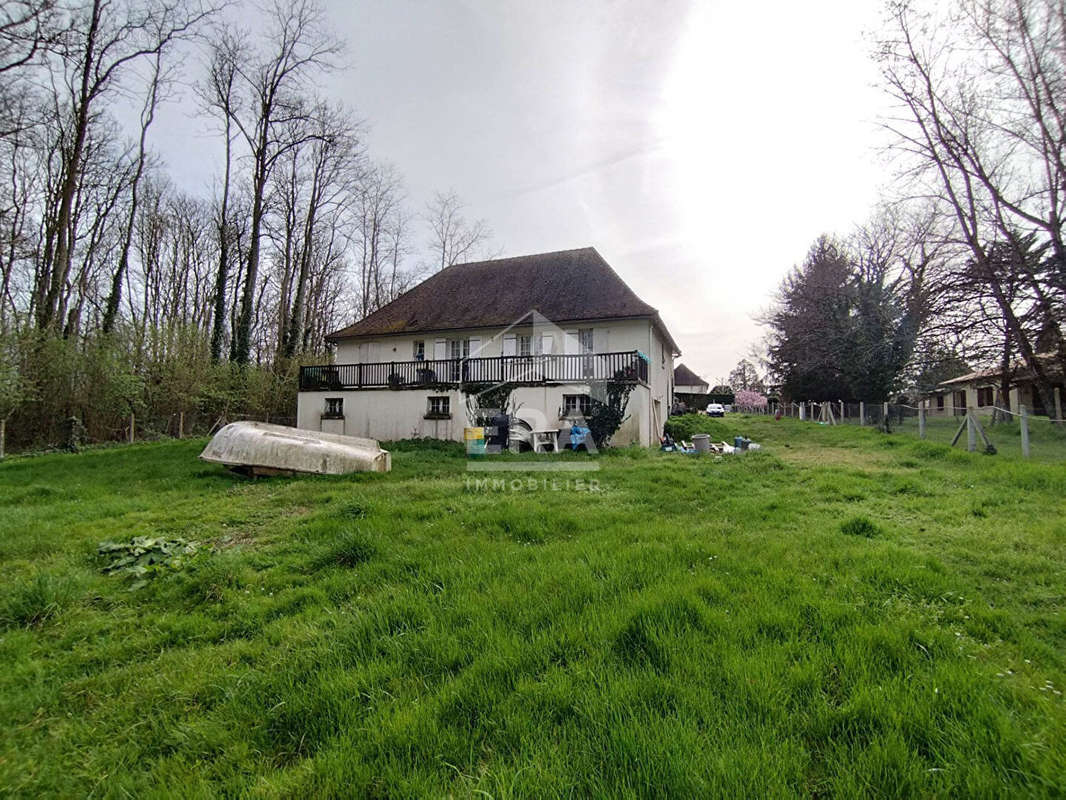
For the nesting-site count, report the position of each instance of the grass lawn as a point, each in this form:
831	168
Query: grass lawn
842	614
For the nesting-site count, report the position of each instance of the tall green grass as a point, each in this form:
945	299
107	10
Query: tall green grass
843	613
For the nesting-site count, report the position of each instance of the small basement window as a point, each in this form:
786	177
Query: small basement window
334	408
575	405
439	408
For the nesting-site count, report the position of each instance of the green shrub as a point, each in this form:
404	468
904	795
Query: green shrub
685	425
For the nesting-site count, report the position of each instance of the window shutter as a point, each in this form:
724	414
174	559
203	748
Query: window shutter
510	345
440	349
572	345
546	342
475	346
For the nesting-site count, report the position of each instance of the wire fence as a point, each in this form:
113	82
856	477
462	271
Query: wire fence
987	429
71	434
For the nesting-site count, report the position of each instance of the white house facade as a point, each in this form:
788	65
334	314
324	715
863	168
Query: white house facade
688	382
555	326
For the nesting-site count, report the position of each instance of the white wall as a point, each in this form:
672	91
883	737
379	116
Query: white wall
401	419
971	399
388	414
609	337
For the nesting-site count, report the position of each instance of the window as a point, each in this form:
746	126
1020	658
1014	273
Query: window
585	340
334	408
438	408
985	396
420	351
459	348
525	345
940	402
575	405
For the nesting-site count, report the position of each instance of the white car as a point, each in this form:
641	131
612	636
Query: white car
715	410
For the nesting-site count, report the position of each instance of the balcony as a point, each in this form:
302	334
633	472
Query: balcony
629	366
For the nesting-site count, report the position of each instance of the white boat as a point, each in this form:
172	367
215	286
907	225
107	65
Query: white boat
259	448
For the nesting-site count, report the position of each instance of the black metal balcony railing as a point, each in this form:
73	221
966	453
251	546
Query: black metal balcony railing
628	366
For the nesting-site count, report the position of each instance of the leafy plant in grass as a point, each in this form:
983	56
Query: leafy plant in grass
36	601
144	557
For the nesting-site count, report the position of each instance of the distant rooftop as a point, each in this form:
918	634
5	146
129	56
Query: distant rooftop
683	376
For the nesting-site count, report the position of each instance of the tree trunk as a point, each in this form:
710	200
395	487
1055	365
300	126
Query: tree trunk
59	268
243	335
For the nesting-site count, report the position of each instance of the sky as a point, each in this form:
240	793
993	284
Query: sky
701	146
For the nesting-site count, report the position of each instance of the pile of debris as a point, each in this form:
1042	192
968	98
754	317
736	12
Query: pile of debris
701	444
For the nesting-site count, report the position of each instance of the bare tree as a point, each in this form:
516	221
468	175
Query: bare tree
27	31
151	99
101	43
218	94
980	84
333	164
271	118
453	237
380	231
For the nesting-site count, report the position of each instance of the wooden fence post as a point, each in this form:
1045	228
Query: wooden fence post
921	419
132	423
803	415
1025	430
862	413
181	424
3	436
1058	405
884	413
841	410
971	430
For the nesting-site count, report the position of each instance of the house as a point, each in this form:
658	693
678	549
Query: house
981	391
688	382
555	326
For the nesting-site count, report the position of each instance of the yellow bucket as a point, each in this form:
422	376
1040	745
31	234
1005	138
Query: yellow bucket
473	434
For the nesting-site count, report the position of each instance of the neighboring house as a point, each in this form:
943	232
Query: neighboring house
688	382
981	391
557	325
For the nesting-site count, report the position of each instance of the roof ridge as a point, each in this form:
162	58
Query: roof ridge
518	258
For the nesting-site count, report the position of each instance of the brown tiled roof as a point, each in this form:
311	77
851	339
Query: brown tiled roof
564	286
1019	371
683	376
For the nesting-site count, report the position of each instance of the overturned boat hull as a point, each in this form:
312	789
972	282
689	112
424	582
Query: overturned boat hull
259	448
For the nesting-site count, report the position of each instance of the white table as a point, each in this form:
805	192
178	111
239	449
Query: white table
546	437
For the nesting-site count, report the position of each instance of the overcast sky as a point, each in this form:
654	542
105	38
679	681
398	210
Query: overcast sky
699	146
